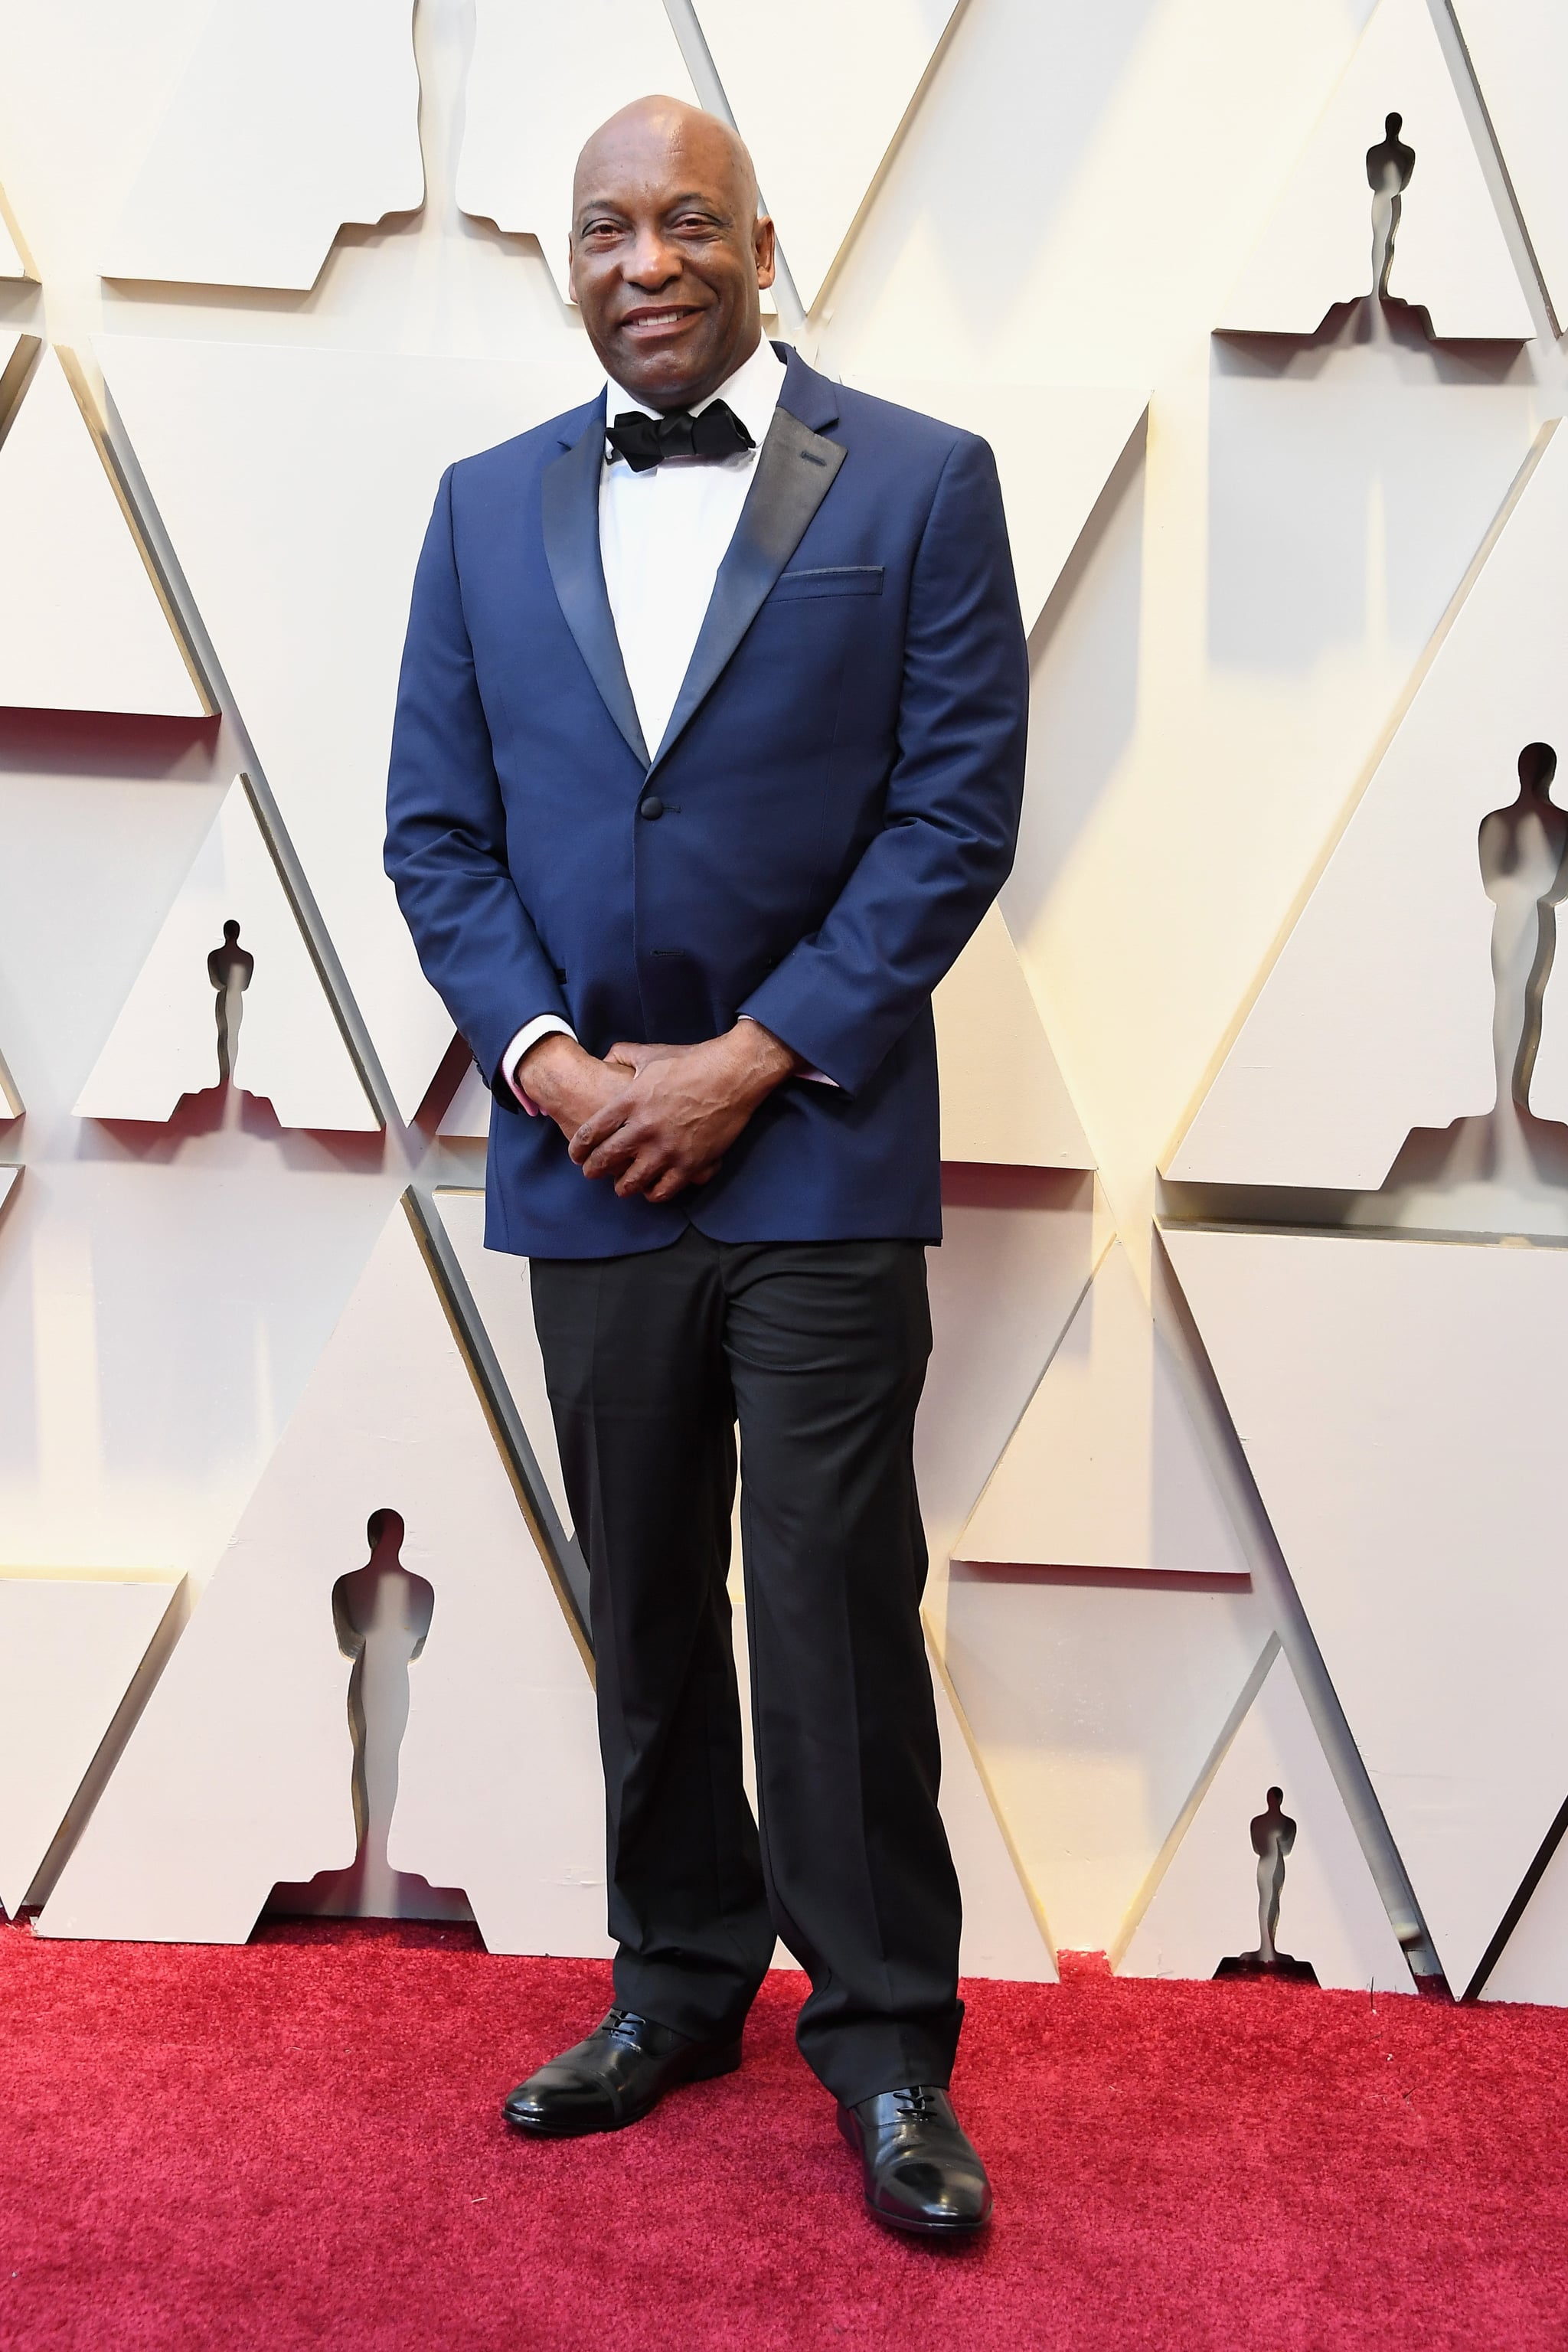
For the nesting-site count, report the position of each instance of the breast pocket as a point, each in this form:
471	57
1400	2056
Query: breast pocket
827	580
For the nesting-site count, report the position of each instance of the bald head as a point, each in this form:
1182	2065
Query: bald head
660	127
669	251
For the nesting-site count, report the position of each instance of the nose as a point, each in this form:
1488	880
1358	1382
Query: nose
652	262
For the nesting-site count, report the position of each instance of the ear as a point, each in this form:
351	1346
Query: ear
762	246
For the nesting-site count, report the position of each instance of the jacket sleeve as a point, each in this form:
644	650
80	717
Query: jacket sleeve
446	826
847	993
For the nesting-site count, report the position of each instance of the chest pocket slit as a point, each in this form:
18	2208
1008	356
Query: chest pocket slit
828	580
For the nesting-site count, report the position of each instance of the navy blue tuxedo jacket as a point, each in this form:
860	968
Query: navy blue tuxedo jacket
840	785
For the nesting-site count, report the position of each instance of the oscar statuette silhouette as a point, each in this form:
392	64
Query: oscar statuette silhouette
1273	1835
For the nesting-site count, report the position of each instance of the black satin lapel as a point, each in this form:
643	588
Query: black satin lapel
569	517
794	473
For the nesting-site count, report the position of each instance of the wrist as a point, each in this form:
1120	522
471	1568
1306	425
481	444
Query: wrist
765	1060
548	1068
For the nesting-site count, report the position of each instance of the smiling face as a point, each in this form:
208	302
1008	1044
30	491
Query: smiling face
667	251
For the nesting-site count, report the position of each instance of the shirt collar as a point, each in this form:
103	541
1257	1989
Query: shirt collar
752	392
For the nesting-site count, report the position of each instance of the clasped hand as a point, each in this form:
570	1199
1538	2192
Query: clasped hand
656	1118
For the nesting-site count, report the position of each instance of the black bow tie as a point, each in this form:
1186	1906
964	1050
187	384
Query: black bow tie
647	441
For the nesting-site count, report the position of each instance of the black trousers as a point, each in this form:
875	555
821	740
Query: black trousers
818	1350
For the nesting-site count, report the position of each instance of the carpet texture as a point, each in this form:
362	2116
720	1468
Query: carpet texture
298	2142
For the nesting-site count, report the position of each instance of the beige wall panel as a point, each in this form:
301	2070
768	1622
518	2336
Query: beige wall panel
296	487
1203	1904
1017	1251
1105	1470
1004	1931
1094	1706
500	1285
1449	257
1521	58
70	1648
237	1775
543	79
1392	1397
1085	428
467	1115
1377	1016
818	93
1533	1964
81	628
289	1051
1003	1097
13	260
292	117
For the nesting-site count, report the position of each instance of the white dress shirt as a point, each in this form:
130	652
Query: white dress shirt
662	536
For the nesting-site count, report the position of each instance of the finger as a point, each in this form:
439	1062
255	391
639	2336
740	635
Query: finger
617	1151
598	1129
646	1171
673	1180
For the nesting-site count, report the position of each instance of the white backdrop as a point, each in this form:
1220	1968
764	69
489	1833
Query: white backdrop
1246	554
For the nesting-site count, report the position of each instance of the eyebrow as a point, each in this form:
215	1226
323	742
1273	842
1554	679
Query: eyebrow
688	196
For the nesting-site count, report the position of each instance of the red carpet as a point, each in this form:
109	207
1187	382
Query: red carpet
298	2144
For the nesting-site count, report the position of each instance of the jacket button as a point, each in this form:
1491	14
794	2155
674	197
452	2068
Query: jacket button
651	807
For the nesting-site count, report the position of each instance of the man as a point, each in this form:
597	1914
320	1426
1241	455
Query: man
707	760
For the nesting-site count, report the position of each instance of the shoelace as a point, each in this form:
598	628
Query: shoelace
917	2104
624	2025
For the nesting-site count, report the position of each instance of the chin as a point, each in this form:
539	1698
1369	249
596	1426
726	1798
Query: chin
665	377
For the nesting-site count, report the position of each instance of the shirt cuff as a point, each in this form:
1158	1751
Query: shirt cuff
543	1025
812	1078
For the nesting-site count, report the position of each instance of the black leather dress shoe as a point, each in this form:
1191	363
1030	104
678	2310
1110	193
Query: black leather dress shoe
615	2077
922	2171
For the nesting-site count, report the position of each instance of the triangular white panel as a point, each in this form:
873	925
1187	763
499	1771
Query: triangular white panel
818	93
500	1284
12	261
68	1650
543	79
296	485
1203	1906
1003	1097
290	1050
1397	1400
1095	1701
1085	427
1450	257
1533	1964
1377	1015
1520	61
81	624
1003	1935
467	1115
294	117
1105	1470
10	1100
238	1774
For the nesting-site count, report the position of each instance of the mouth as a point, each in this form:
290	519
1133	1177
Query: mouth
655	324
